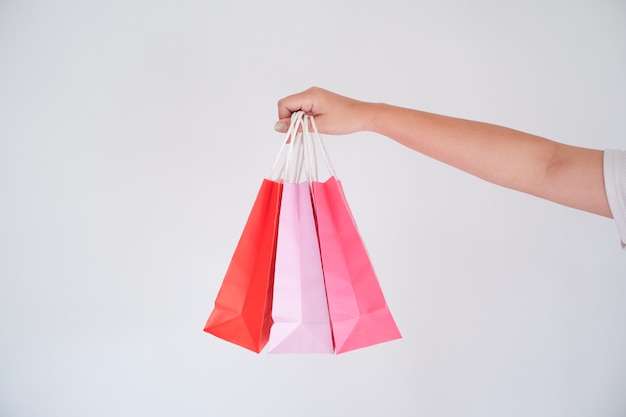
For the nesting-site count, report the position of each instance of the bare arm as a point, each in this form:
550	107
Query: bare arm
565	174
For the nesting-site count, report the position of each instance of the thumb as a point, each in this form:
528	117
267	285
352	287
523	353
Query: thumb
282	125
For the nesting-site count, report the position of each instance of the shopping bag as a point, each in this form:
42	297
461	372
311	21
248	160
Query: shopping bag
242	313
358	310
299	309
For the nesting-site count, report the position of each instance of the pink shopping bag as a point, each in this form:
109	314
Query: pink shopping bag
358	310
359	313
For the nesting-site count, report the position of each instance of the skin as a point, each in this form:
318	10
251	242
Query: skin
567	175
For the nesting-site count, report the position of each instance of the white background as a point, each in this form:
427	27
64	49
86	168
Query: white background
134	136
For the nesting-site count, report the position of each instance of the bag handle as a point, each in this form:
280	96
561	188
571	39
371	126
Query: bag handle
295	159
310	152
290	139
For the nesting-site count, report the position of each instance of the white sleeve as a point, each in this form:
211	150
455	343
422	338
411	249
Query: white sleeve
615	184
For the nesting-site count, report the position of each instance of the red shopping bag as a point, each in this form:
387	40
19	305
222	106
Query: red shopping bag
358	310
242	313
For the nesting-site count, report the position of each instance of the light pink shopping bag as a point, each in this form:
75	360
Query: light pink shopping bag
299	309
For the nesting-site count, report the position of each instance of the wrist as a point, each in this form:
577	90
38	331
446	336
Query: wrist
372	116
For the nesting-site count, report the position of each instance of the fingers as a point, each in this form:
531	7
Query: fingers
314	101
305	101
334	114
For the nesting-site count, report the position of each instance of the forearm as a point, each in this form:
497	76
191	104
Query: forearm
510	158
493	153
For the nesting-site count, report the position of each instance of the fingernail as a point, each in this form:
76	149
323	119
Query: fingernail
280	127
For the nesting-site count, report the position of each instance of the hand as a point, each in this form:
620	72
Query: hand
334	114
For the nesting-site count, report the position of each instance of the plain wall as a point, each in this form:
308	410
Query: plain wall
134	136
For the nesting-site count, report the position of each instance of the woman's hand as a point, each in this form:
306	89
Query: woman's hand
334	114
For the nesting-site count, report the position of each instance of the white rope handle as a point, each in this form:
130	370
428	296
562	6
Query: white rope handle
290	137
310	163
295	159
322	147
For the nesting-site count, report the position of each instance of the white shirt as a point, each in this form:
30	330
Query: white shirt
615	184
